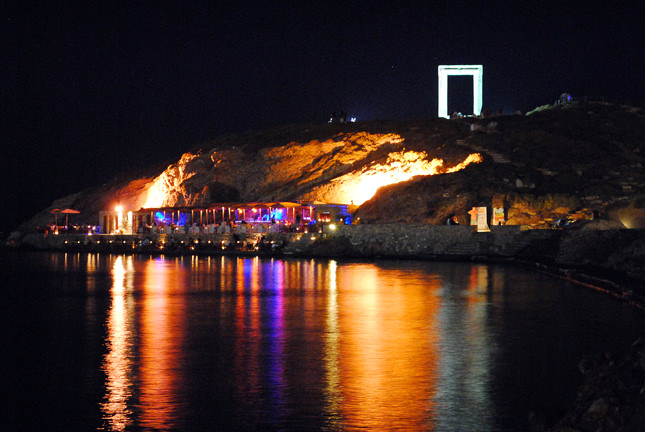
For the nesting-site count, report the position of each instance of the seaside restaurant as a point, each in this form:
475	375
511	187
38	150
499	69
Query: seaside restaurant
255	216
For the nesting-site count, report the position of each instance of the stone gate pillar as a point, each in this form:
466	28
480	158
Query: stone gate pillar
477	72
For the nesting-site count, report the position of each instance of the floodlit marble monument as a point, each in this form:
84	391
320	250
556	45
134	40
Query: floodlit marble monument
477	72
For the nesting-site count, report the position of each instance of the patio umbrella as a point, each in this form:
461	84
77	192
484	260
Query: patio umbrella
56	211
68	212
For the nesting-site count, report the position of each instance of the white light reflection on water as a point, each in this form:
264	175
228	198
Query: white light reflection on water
118	361
465	357
333	393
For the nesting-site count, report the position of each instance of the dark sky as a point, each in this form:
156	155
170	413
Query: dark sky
92	89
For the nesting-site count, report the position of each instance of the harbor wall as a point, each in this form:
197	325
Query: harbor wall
369	240
422	240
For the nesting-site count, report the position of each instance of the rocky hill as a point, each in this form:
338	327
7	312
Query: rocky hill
578	159
583	160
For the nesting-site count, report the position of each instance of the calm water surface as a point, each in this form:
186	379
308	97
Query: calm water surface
125	343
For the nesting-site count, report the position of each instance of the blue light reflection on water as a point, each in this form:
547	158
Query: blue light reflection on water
234	343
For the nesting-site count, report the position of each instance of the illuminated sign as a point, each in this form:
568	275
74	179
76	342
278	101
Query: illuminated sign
498	216
482	219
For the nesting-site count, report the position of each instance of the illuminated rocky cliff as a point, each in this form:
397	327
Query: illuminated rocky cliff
347	168
583	159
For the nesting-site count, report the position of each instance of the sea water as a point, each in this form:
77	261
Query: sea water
133	342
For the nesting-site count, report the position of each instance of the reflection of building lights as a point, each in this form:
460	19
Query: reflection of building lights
333	389
117	362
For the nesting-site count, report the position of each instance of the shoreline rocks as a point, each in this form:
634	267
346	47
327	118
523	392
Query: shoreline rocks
612	396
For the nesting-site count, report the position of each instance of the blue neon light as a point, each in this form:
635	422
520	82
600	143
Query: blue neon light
159	217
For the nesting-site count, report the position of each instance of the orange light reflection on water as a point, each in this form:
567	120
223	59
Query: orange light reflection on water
388	360
162	331
381	347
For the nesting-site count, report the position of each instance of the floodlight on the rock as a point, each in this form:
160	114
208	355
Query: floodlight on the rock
477	72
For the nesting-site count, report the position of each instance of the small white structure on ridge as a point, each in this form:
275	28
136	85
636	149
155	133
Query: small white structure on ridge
477	72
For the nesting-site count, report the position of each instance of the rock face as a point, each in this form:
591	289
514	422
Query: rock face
612	397
579	160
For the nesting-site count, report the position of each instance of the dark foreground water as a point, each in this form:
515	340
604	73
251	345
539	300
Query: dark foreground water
109	342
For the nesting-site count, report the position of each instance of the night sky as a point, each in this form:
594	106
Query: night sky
90	89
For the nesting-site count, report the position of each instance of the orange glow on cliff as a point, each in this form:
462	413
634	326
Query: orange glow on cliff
358	187
472	158
355	187
164	187
156	194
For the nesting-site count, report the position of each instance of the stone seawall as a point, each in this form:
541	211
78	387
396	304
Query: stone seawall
622	250
377	240
433	241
